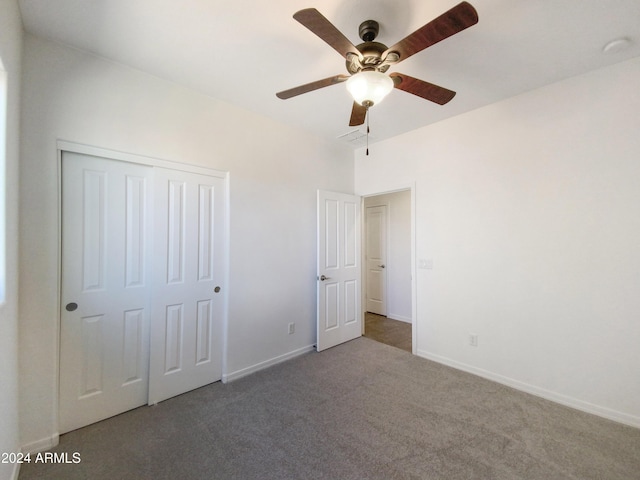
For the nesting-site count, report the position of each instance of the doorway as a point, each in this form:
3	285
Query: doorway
388	283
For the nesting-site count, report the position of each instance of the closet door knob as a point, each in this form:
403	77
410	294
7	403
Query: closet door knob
71	306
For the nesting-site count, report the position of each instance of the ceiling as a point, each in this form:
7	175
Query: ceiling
244	51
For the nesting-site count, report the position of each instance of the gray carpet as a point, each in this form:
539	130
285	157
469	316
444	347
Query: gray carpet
362	410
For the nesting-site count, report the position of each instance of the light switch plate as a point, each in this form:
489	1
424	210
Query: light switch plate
425	263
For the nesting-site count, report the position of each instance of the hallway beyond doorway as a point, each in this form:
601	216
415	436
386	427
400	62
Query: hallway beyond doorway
387	331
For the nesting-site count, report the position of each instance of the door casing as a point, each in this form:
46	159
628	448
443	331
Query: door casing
414	308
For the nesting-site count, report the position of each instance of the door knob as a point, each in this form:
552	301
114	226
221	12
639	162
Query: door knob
381	266
217	289
71	306
323	278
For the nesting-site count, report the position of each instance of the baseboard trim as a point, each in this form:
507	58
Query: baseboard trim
565	400
41	445
230	377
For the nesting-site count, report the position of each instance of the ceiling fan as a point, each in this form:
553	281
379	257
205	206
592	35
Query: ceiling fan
368	62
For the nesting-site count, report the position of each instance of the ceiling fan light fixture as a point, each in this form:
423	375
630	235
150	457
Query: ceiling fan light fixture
369	87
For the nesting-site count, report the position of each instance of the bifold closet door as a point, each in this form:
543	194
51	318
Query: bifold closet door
189	259
105	288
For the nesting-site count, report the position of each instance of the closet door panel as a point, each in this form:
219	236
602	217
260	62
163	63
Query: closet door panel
189	261
104	319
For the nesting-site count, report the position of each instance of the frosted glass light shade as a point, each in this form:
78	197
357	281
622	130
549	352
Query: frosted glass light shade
369	87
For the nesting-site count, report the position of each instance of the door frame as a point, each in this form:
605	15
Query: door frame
411	187
72	147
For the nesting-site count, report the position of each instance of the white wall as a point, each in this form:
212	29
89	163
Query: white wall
529	209
398	252
10	62
274	170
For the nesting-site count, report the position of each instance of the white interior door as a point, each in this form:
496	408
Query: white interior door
339	307
376	259
104	336
188	306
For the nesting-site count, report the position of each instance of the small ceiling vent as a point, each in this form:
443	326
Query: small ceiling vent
355	138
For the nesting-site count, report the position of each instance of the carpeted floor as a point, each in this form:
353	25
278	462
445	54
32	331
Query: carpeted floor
362	410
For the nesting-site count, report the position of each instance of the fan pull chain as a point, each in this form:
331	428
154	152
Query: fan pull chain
367	114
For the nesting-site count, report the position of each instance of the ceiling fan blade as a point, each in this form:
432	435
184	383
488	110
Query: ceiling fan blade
318	24
449	23
426	90
358	114
309	87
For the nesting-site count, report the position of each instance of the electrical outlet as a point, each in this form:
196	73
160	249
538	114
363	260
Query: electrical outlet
292	328
473	339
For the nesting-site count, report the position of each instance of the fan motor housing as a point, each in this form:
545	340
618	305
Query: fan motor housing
371	58
371	51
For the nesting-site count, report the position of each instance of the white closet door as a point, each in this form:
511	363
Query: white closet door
104	337
188	305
